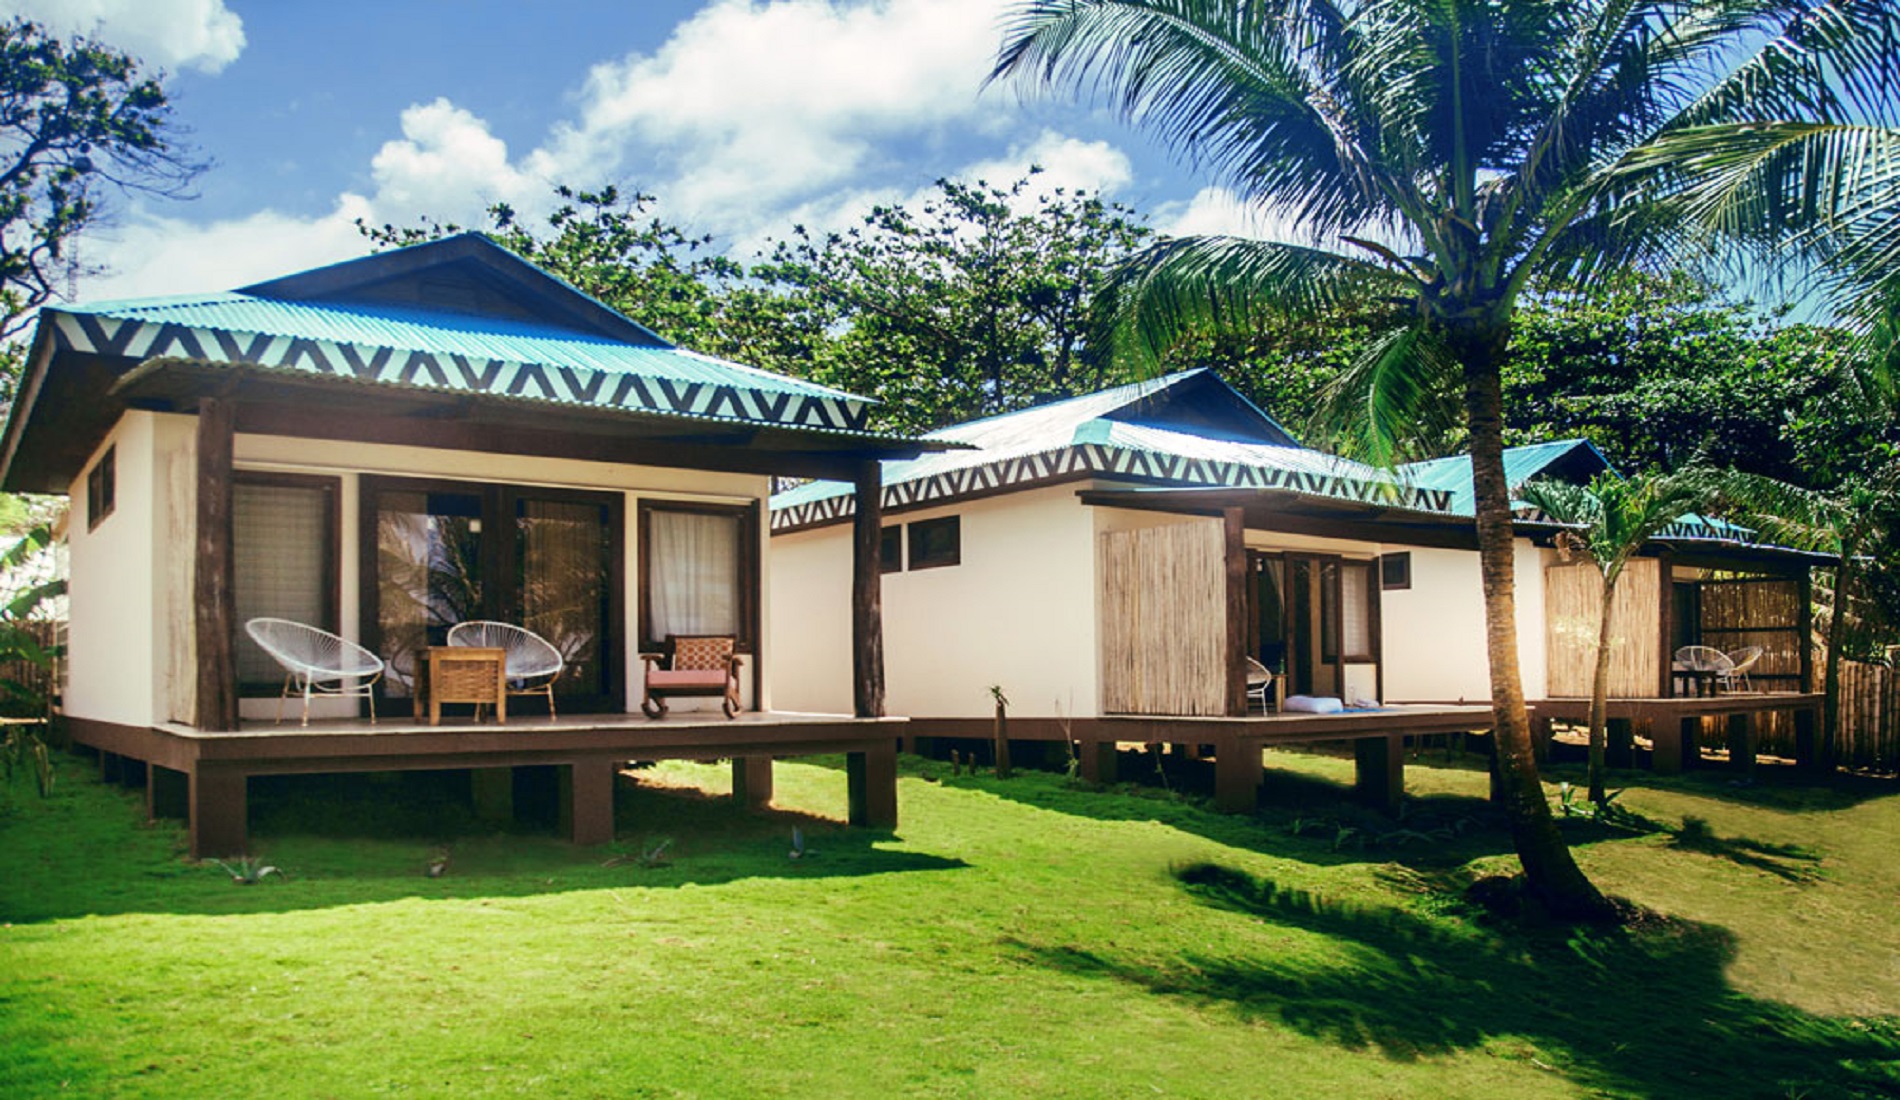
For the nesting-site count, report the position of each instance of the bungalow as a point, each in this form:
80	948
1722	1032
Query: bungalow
1110	562
384	448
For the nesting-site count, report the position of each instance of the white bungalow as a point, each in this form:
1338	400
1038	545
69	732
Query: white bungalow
386	447
1122	554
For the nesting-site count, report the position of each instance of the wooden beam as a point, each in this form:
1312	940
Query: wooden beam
752	781
214	578
1666	583
1379	771
219	812
867	613
1234	531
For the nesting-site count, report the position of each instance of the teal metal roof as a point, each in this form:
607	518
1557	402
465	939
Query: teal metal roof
443	333
1521	464
1079	437
451	351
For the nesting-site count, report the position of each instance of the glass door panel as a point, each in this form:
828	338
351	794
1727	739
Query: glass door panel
564	563
428	573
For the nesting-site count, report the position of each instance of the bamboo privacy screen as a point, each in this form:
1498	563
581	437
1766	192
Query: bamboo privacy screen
1763	611
1164	620
1573	596
1870	715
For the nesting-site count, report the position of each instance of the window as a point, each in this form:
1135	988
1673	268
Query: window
102	488
936	542
1395	571
284	543
891	550
699	572
1345	624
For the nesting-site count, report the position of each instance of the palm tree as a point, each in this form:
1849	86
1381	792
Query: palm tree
1610	519
1487	143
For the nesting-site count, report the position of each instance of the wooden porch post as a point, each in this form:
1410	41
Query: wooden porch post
213	578
867	615
1666	619
1805	620
1234	527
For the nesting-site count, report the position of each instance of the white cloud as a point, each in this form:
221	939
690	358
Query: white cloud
750	118
150	256
749	104
1216	211
1066	162
194	34
448	165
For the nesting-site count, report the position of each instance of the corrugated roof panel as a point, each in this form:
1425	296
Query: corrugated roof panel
444	333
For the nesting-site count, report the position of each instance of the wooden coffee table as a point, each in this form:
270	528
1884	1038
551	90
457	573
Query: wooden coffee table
462	674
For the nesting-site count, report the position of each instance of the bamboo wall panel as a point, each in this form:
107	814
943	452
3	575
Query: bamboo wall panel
180	656
1870	716
1757	611
1573	596
1164	620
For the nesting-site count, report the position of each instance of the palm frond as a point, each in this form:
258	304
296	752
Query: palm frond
1183	285
1253	93
1399	399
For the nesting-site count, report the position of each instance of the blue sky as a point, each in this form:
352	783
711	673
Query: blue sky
743	116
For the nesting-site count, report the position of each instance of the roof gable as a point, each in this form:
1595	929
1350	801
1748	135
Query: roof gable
1575	461
466	273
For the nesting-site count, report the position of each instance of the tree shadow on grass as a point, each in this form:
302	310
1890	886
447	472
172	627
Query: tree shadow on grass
1301	816
351	840
1642	1011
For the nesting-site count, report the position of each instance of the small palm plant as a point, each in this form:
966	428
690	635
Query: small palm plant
248	870
1608	521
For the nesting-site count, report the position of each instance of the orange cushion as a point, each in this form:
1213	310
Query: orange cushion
687	678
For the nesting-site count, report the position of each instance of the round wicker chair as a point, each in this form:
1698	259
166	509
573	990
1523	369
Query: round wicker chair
316	662
527	656
1744	659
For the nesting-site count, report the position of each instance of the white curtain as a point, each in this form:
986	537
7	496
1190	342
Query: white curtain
693	572
1355	597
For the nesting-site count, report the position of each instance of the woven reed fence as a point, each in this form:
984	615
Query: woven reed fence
1573	596
1870	716
1164	620
1763	611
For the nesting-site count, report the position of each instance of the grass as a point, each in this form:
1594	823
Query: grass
1014	937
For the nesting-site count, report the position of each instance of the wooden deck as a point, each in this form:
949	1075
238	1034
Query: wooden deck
205	774
1378	737
1674	723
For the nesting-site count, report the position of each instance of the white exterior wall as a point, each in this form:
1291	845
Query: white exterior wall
130	640
1018	610
1434	632
810	609
113	605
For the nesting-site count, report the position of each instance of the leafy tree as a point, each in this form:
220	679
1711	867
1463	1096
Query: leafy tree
1495	143
1610	520
614	248
1664	371
977	303
76	117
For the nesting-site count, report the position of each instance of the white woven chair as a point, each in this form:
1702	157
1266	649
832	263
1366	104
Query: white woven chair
527	656
1704	659
1742	660
317	662
1259	682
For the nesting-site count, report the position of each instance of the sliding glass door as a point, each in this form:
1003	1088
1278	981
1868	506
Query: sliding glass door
437	553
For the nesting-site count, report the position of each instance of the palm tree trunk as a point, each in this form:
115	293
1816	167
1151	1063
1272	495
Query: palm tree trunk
1551	874
1600	694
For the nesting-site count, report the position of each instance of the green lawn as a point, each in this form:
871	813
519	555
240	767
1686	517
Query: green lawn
1015	937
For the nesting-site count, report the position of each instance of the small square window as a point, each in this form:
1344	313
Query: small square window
1395	571
102	488
935	543
891	550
